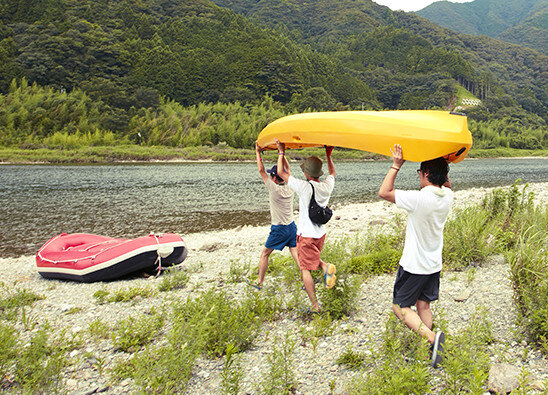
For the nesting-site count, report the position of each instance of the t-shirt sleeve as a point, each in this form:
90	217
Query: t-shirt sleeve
269	183
296	184
408	200
330	181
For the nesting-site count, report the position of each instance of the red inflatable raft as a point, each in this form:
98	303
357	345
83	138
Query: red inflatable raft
89	258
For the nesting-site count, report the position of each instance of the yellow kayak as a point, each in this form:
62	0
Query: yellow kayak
423	134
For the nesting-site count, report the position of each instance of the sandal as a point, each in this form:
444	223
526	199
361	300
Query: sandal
257	286
311	312
329	276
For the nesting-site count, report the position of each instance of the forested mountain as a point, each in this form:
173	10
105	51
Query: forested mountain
401	55
523	22
117	63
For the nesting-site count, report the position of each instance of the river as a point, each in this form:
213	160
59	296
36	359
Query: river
38	202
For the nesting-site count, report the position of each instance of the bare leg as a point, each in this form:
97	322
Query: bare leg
310	289
323	265
413	321
263	264
425	314
294	254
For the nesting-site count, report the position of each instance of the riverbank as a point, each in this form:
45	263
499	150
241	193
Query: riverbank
219	153
217	260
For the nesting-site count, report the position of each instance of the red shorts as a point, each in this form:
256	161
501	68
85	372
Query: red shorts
308	250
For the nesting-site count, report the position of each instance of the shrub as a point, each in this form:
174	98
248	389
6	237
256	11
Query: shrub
351	359
8	351
465	365
372	253
340	300
375	263
213	320
39	364
470	236
164	369
131	334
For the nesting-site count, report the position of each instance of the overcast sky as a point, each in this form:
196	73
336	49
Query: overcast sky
411	5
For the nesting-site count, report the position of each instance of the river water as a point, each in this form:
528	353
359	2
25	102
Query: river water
38	202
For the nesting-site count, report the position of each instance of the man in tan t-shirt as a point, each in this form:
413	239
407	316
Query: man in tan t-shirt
283	231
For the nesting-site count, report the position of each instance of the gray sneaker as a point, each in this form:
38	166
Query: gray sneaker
437	349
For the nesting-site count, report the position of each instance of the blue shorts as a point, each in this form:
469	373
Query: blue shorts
282	236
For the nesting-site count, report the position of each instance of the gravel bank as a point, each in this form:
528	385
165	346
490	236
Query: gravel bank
72	306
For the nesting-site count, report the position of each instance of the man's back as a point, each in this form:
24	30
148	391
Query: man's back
428	210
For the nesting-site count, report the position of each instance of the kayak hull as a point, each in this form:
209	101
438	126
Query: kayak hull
423	134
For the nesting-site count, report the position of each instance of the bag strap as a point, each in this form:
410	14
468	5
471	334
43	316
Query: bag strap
313	197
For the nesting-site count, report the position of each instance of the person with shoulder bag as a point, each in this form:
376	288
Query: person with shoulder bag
313	200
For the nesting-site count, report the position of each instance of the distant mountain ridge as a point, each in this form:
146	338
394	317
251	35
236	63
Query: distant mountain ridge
523	22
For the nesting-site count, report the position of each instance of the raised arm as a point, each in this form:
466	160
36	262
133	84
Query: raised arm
386	191
330	165
260	164
286	165
283	171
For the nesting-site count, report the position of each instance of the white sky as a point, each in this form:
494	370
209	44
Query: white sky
411	5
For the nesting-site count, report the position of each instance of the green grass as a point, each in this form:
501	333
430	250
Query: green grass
503	152
463	93
173	280
137	153
13	301
123	294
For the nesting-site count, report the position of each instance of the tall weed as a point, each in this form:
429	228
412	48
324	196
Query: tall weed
400	366
280	378
465	365
529	271
232	373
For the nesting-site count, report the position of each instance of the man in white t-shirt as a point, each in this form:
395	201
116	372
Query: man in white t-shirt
311	236
418	279
283	231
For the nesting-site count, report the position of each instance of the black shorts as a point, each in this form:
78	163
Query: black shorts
411	287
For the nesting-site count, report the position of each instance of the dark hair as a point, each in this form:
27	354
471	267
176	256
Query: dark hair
437	170
277	177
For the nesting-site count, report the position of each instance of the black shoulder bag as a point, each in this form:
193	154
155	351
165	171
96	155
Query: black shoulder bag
318	214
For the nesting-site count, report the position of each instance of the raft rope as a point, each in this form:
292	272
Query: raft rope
159	258
92	257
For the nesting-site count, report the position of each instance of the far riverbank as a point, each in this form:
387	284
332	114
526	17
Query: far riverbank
218	153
